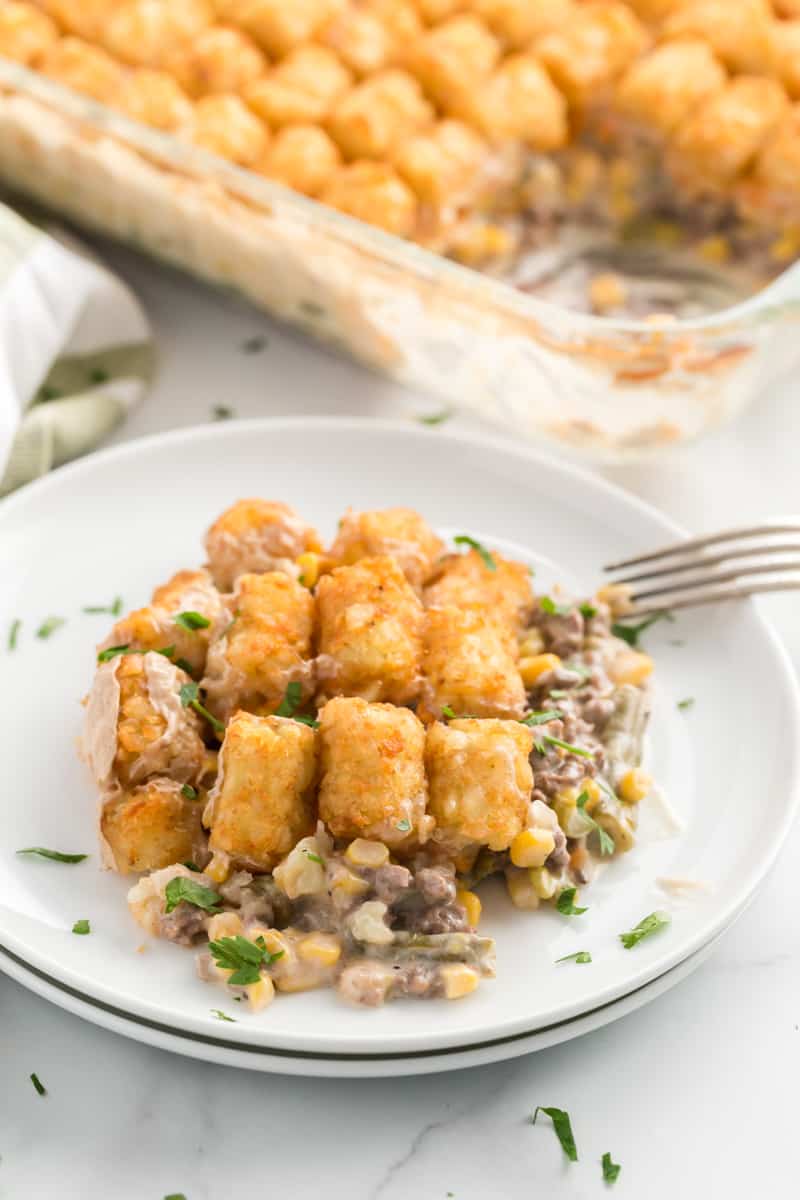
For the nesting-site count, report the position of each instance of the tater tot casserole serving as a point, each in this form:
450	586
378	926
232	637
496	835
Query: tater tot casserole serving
313	756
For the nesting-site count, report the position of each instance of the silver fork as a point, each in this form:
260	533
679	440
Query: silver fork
696	571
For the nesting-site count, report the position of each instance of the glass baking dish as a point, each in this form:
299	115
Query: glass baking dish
606	387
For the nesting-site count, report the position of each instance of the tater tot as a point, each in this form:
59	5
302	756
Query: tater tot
369	633
263	801
224	125
82	17
266	646
361	40
518	22
25	33
740	34
373	192
400	533
771	191
466	581
217	60
469	665
479	780
301	156
373	775
452	60
279	26
84	67
787	49
149	827
520	102
136	725
145	32
301	88
369	120
591	49
663	88
154	98
253	536
443	164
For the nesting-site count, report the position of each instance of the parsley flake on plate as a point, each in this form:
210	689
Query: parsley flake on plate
49	625
37	1083
580	956
13	633
114	609
566	903
611	1169
243	957
437	418
632	633
53	855
191	621
291	702
222	412
607	845
563	1128
646	928
221	1016
464	540
180	889
548	605
82	926
685	705
189	695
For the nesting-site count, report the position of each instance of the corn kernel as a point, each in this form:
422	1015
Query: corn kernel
348	884
520	889
531	644
606	291
532	847
321	948
593	793
543	883
363	853
274	942
532	668
224	925
471	904
219	868
630	666
634	785
309	568
617	596
786	247
458	979
260	994
715	249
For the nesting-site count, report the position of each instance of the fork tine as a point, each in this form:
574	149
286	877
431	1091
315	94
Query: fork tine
700	543
716	596
716	577
700	561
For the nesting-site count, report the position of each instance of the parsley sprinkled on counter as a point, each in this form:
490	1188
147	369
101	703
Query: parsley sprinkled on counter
563	1128
37	1083
13	633
542	718
646	927
611	1169
632	633
253	345
114	609
189	792
221	1016
182	890
605	839
189	695
175	1196
49	626
222	412
580	956
243	957
685	705
566	903
548	605
464	540
82	926
291	702
53	855
191	621
437	418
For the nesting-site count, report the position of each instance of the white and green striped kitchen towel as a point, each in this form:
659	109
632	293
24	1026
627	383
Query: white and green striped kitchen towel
75	350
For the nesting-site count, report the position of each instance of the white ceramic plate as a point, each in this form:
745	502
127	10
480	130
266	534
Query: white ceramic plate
122	521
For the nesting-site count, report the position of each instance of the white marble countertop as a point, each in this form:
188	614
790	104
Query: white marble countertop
695	1095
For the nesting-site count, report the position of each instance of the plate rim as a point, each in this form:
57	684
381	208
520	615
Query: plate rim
785	678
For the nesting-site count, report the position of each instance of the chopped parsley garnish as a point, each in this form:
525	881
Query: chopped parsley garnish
568	746
98	375
580	956
587	611
114	652
37	1083
189	699
54	855
448	712
253	345
175	1195
542	718
114	609
437	418
685	705
566	903
563	1128
189	792
221	1016
548	605
182	889
13	633
404	826
243	957
558	693
191	621
464	540
632	633
611	1169
49	626
82	926
606	840
191	866
181	662
291	702
646	927
315	857
222	412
